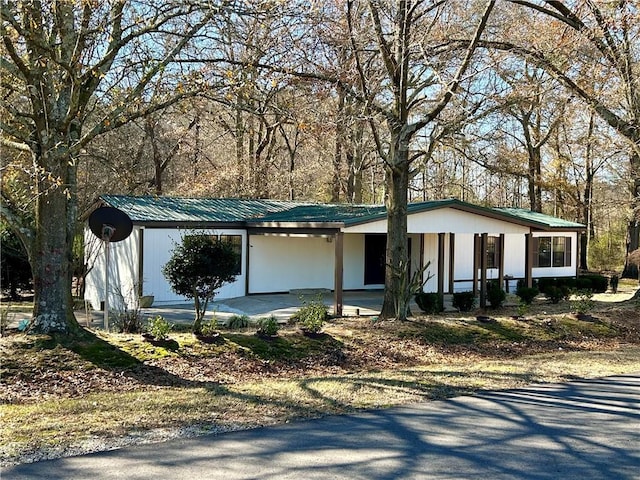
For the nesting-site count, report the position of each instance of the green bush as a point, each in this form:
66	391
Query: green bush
464	301
159	327
312	315
555	294
495	294
527	294
429	302
237	322
599	283
566	284
210	327
268	326
582	301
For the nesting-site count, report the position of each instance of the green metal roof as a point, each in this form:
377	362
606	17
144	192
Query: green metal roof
196	210
176	210
323	213
541	218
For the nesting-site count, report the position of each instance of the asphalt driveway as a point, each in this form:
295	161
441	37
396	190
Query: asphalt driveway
586	429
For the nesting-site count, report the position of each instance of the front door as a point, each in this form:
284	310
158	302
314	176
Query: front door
375	246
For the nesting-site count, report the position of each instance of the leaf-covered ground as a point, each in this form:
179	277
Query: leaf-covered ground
61	397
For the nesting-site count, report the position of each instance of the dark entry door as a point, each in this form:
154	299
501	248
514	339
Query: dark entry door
375	246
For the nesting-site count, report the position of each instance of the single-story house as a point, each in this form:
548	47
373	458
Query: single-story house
287	246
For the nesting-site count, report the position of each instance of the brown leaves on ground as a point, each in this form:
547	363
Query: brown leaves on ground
32	370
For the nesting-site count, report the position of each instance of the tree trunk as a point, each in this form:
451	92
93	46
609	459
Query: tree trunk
51	258
633	229
397	182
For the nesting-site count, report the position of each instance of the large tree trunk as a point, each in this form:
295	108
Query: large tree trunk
397	182
633	229
51	258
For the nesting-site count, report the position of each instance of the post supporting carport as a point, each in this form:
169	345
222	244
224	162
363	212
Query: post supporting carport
528	260
441	264
338	274
483	270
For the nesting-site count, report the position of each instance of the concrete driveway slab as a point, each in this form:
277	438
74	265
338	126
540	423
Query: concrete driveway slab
586	430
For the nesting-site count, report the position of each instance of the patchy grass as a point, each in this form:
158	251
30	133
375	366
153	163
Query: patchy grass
60	398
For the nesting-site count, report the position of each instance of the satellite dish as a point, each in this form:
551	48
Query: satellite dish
110	224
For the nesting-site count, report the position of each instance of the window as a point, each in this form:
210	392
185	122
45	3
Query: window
236	243
551	251
493	252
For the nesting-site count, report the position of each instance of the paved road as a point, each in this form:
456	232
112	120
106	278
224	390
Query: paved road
580	430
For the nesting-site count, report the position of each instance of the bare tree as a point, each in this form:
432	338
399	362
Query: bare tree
392	49
72	71
587	43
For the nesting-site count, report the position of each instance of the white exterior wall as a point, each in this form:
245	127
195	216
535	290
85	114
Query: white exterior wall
444	220
514	259
123	265
158	247
281	264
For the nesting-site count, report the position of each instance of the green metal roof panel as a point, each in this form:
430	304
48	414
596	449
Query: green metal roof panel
205	210
539	218
322	213
236	210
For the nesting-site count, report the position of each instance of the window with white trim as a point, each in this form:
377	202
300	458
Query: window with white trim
552	251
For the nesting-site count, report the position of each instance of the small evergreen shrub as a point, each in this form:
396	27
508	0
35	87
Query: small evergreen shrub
268	326
159	327
210	327
555	294
429	302
237	322
495	295
312	315
527	294
599	283
582	301
464	301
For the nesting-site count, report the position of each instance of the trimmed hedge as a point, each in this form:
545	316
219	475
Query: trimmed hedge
594	282
464	301
429	302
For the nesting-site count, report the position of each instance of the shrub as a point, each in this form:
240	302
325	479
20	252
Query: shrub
128	321
210	327
159	327
555	294
429	302
582	302
268	326
599	283
312	315
464	301
237	322
495	294
527	294
198	267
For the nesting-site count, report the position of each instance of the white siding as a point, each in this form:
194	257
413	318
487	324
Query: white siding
123	264
158	247
280	264
444	220
353	266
